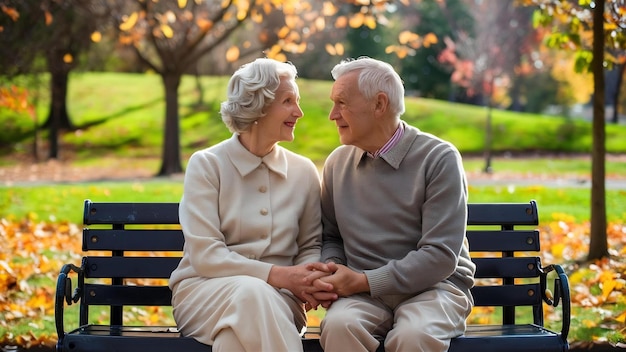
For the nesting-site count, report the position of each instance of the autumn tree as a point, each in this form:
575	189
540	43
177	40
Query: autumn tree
57	31
170	37
595	31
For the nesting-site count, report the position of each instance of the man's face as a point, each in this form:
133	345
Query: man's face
352	113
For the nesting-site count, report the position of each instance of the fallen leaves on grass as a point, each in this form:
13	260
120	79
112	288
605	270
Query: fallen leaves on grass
32	254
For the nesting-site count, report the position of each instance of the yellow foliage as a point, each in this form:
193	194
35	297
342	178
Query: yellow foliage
356	21
341	22
96	37
168	32
129	22
232	54
68	58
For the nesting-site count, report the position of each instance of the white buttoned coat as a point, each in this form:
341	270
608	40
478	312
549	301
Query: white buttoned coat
241	214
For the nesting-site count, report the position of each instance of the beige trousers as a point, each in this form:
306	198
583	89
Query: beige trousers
425	322
239	313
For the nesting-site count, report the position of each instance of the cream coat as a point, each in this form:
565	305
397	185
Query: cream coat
241	214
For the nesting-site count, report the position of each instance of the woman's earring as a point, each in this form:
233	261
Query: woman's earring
256	122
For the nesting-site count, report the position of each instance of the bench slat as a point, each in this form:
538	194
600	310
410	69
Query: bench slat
130	213
130	267
133	240
518	214
518	267
503	241
507	295
119	295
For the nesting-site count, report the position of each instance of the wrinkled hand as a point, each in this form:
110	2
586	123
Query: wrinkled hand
345	281
317	290
294	279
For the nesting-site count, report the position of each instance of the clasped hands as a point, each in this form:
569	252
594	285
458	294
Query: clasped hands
328	281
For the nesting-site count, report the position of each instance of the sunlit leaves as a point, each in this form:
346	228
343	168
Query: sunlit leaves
48	18
96	37
182	4
129	22
329	9
204	24
360	19
11	12
168	32
15	99
232	54
336	49
68	58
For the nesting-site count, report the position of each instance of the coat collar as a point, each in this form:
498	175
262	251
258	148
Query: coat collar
246	162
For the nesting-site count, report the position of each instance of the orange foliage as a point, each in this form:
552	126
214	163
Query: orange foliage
31	251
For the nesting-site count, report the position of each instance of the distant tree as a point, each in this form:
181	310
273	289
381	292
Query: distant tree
422	73
58	32
489	56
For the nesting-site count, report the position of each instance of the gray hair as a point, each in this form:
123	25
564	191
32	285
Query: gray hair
252	88
375	76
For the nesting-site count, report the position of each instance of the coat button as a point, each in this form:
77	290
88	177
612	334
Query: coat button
262	189
264	211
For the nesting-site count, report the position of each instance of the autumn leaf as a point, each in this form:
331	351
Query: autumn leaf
129	22
11	12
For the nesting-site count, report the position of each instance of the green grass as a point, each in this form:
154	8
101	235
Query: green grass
64	202
121	115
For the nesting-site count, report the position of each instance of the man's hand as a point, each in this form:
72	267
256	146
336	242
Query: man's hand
294	279
344	281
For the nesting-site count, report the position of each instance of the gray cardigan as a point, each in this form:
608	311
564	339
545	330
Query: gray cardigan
399	218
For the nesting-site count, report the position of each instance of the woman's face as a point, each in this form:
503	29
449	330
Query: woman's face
280	117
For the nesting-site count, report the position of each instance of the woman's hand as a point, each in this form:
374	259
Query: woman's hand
298	279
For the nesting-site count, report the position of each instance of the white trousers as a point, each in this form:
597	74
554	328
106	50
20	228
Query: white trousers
425	322
239	313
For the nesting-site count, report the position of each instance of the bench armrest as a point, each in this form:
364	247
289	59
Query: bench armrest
561	293
64	294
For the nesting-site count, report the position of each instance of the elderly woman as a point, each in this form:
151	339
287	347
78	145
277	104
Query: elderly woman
250	214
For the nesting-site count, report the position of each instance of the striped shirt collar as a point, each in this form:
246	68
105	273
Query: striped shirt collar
397	135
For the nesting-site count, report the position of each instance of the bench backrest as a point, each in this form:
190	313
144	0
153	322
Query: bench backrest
133	232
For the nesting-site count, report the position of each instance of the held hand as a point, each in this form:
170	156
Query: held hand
319	270
293	278
346	281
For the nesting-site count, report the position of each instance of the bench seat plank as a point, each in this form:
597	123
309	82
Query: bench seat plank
484	338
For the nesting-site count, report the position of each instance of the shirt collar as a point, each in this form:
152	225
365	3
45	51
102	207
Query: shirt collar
395	155
246	162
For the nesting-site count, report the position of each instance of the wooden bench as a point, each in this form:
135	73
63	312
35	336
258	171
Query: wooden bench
141	237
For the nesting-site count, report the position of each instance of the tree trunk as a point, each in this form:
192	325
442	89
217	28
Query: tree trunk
598	246
58	118
171	161
59	78
57	115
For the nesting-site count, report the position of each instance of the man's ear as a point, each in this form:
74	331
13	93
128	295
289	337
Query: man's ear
382	103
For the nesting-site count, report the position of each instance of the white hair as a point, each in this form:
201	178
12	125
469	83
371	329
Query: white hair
375	76
251	88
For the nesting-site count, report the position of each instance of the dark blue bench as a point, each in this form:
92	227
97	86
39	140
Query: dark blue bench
503	240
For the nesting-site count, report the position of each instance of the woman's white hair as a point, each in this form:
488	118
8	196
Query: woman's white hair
252	88
375	76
